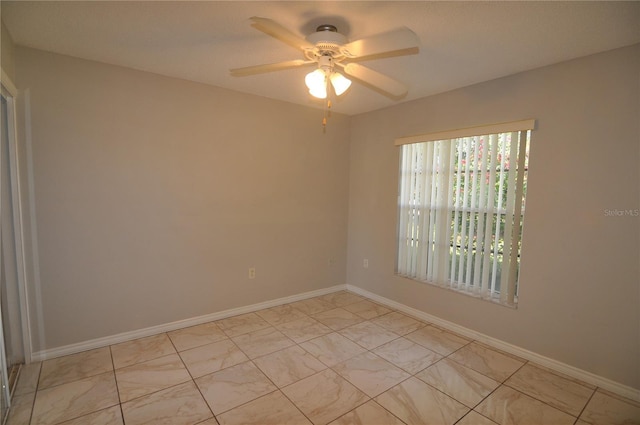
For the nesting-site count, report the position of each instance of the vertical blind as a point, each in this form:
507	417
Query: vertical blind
461	208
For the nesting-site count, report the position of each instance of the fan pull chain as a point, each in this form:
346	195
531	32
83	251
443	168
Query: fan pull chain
327	114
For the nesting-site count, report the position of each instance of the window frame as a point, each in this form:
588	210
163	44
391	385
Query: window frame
431	247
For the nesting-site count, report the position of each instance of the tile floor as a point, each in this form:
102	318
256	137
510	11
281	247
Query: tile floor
335	359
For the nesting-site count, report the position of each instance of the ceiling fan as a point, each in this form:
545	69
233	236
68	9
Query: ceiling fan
330	51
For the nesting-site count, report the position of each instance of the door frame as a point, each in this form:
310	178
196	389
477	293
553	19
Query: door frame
10	93
4	377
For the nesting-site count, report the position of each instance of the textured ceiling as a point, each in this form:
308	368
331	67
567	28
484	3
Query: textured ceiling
461	43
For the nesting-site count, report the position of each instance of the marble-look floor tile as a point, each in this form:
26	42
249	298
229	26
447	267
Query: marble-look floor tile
492	363
140	350
567	377
368	335
303	329
465	385
196	336
370	373
281	314
265	341
179	405
407	355
369	413
341	298
367	309
109	416
324	396
608	409
398	323
73	399
282	386
507	406
332	348
417	403
150	376
271	409
28	379
438	340
75	366
338	318
234	386
561	393
289	365
213	357
474	418
313	306
20	411
242	324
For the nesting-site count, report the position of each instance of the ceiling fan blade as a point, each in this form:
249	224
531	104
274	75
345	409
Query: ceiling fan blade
402	41
276	30
270	67
387	85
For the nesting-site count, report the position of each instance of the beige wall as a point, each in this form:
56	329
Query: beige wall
580	295
154	196
7	52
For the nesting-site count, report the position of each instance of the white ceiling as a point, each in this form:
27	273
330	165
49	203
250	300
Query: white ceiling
462	43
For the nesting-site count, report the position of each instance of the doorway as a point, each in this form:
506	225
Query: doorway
12	341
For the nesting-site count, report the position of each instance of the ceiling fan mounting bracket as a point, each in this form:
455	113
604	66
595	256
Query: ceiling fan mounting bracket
326	27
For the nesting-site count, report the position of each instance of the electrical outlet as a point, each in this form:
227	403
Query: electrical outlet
330	262
365	263
252	273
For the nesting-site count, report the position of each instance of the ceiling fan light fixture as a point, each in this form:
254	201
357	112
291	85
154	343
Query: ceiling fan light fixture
316	82
340	83
319	92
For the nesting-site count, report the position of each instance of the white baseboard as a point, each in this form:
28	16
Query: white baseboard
154	330
588	377
574	372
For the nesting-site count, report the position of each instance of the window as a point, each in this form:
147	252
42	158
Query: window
461	208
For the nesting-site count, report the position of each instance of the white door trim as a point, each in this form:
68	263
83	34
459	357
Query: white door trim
10	92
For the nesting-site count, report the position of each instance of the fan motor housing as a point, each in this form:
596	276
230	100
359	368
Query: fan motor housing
327	39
